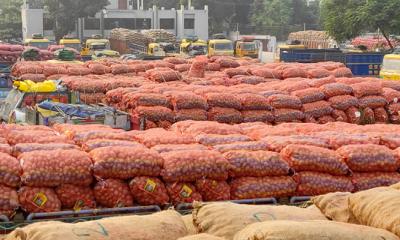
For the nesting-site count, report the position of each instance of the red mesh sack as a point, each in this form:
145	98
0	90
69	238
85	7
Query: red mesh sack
226	62
253	80
391	95
342	72
267	73
266	187
133	100
391	84
367	116
53	70
188	166
215	139
119	69
336	89
381	115
367	89
154	114
21	148
113	193
318	73
314	183
183	193
325	119
394	112
5	148
56	167
190	114
213	67
37	200
353	115
339	116
98	143
10	170
182	67
288	115
78	71
212	128
223	100
284	101
231	72
28	136
249	146
149	191
256	164
343	102
125	162
100	69
76	197
372	102
391	141
257	116
151	139
277	143
33	77
212	190
365	181
163	148
164	75
91	98
254	102
309	95
293	72
321	81
369	158
8	201
311	158
317	109
224	115
188	100
338	140
81	137
198	68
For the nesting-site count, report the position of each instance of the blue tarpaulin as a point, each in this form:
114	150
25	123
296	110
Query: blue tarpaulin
81	111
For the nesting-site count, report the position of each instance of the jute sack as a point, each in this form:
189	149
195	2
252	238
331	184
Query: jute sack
396	186
312	230
378	207
202	236
166	225
335	206
226	219
188	220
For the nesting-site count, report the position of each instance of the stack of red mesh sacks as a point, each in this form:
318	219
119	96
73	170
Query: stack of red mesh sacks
10	53
391	92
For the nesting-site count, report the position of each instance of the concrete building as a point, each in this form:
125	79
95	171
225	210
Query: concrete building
121	13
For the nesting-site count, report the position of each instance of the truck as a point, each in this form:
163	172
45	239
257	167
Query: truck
97	47
38	41
246	47
193	46
391	67
69	42
219	45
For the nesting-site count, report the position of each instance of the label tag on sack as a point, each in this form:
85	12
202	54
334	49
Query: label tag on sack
358	114
395	100
79	205
186	191
40	199
119	204
150	186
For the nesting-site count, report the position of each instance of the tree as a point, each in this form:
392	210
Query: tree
10	20
65	13
346	19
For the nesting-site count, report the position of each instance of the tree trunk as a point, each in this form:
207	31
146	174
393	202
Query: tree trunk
386	37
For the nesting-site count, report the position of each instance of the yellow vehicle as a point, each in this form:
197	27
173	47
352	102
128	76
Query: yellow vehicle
391	67
154	49
71	43
97	48
38	41
220	47
246	48
193	46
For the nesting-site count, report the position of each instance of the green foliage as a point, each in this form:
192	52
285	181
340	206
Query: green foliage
346	19
10	20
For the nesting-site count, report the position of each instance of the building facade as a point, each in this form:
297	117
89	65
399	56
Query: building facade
129	14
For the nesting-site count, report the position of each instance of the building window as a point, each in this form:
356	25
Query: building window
143	23
92	24
167	23
189	23
35	4
48	24
111	23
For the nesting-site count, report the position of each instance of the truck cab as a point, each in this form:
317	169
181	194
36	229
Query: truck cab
246	48
220	47
390	69
155	49
97	48
193	46
37	41
71	43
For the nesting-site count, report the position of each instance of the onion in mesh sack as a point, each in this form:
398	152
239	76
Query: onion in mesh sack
365	181
8	201
315	183
309	95
367	88
183	193
336	89
212	190
151	139
34	200
249	146
76	197
216	139
21	148
284	101
98	143
10	170
343	102
149	191
113	193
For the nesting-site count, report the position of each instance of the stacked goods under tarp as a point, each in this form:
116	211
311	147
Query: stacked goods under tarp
312	39
160	35
121	38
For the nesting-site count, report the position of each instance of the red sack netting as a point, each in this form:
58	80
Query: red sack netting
367	116
125	162
154	114
133	100
391	141
98	143
175	60
257	116
28	136
254	102
21	148
317	109
223	100
91	98
33	77
8	201
160	76
215	139
294	84
294	73
372	102
149	191
391	95
182	67
318	73
198	68
110	134
120	69
336	89
381	115
190	114
277	143
288	115
343	102
313	184
369	158
367	89
353	115
267	73
309	95
339	116
224	115
325	119
151	139
311	158
99	69
342	72
10	170
226	62
112	193
78	71
256	164
249	146
5	148
38	200
212	190
196	128
76	197
56	167
321	81
188	166
365	181
391	84
54	70
253	80
337	140
183	193
187	100
284	101
252	188
178	147
394	112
